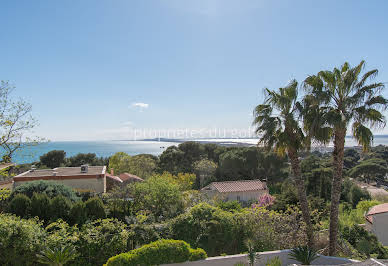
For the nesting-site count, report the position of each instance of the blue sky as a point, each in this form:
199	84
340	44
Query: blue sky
96	69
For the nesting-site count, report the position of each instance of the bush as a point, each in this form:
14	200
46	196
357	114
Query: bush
20	240
20	205
207	227
51	188
4	195
94	209
53	159
78	213
40	206
60	208
159	252
100	240
197	254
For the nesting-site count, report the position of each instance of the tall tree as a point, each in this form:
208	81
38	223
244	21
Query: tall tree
277	124
16	123
344	98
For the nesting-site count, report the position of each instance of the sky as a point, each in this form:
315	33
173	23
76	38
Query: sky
104	69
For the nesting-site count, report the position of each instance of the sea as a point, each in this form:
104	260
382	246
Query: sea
156	147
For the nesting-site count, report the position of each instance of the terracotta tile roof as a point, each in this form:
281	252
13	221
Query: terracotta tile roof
114	178
128	176
237	186
381	208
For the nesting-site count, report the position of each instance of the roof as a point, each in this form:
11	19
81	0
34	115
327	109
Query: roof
61	173
114	178
127	176
381	208
237	186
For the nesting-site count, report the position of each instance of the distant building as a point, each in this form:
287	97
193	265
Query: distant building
86	177
121	180
377	222
241	190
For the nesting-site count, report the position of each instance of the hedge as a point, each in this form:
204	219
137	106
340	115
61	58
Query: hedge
51	188
159	252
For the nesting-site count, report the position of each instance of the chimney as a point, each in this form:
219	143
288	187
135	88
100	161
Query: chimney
33	168
112	171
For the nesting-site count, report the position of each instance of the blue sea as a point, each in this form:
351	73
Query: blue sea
108	148
100	148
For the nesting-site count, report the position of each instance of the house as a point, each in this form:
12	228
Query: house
240	190
377	222
121	180
86	177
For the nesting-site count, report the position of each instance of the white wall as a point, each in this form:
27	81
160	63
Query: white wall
264	256
380	227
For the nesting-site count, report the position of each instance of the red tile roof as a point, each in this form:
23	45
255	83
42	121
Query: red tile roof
237	186
381	208
114	178
127	176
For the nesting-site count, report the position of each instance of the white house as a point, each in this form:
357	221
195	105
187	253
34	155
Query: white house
240	190
377	222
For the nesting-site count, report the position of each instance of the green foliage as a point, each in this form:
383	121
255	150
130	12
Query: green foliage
100	240
57	256
275	261
160	195
20	240
369	170
142	165
207	227
363	241
51	188
53	158
231	206
5	193
40	206
205	170
159	252
252	256
352	193
20	205
303	254
60	208
94	209
77	213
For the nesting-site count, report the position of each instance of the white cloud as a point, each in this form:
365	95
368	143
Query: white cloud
140	106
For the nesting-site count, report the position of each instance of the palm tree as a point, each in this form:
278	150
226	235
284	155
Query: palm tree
343	98
276	122
57	256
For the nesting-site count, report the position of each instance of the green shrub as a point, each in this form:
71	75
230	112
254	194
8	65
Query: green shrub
20	240
100	240
40	206
60	208
4	195
275	261
20	205
207	227
78	213
159	252
94	209
51	188
197	254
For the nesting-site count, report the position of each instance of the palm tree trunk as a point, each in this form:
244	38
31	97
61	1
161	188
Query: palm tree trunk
295	165
338	160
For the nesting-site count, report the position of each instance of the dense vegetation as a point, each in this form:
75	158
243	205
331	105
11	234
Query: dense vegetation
316	198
